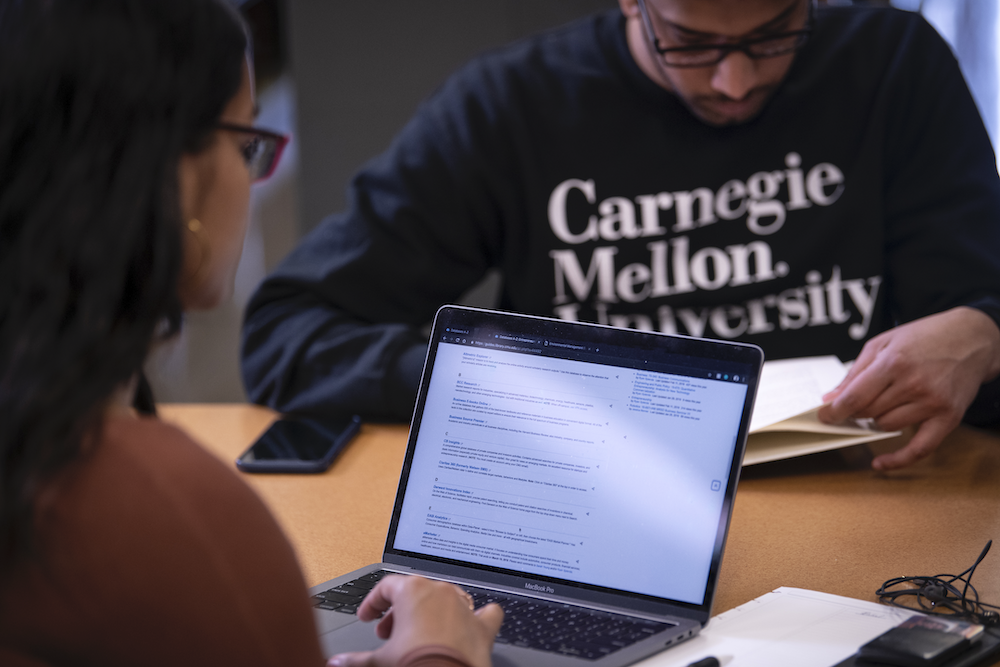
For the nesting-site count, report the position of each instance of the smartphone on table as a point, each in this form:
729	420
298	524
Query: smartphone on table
299	444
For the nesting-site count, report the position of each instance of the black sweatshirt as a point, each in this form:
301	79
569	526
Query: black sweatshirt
865	195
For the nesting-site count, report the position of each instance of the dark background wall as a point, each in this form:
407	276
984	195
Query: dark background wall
361	68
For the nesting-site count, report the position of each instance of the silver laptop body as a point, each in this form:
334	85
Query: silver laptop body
570	463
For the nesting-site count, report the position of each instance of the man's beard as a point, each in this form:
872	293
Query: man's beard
721	111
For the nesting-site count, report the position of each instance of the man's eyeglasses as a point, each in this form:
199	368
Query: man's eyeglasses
262	151
765	46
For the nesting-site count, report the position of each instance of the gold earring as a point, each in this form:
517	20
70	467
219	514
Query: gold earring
195	227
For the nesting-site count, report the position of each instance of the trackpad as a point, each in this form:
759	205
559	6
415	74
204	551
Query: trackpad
353	637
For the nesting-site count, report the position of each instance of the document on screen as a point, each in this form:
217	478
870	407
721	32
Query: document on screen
557	467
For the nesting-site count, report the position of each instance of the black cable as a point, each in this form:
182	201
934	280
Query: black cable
940	594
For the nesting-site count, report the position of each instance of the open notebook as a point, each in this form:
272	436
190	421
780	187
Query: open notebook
784	422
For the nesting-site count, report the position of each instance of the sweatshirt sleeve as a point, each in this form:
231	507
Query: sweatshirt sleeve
942	189
942	195
338	324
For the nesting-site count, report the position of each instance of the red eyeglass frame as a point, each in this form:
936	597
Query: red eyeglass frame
280	141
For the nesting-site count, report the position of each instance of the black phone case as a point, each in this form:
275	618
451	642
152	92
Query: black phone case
981	653
300	466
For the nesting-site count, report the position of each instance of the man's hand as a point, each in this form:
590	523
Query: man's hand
418	612
923	373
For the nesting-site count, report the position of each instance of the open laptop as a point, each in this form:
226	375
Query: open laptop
582	476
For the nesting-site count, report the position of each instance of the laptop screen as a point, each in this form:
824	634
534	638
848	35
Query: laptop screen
575	453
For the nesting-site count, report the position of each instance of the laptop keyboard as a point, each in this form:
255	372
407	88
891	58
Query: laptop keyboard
346	597
528	622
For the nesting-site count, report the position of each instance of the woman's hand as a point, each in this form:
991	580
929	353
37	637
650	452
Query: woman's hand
418	612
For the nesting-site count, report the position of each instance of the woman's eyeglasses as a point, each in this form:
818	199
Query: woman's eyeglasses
765	46
262	150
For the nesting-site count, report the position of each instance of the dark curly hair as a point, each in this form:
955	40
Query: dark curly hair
98	101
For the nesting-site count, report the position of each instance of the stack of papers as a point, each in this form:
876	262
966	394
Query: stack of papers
785	423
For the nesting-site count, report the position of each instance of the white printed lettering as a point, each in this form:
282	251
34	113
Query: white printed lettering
694	322
617	219
758	317
682	277
557	211
821	176
793	311
796	183
634	321
720	271
722	318
865	301
816	304
650	207
665	315
732	191
658	264
835	298
601	270
740	255
684	206
632	276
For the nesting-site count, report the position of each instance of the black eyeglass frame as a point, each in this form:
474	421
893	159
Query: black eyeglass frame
279	140
743	45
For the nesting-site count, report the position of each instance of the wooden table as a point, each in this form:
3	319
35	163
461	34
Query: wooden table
825	522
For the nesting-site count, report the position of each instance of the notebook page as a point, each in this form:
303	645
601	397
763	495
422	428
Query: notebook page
788	627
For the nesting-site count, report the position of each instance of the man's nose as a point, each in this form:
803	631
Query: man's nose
735	75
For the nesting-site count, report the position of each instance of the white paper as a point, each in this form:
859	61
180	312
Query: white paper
788	627
789	387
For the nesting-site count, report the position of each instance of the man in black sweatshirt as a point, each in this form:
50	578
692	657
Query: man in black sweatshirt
815	181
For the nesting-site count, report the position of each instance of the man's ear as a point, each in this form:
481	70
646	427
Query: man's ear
630	8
